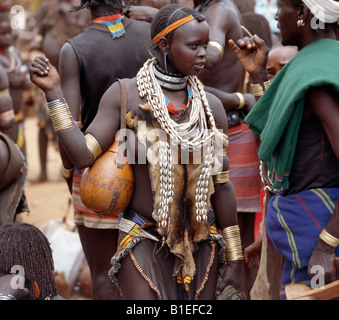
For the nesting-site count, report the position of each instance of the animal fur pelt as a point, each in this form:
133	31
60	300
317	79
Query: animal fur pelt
183	231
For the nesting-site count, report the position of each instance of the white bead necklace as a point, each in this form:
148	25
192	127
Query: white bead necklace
192	135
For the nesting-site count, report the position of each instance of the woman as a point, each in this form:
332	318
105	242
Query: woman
182	247
299	134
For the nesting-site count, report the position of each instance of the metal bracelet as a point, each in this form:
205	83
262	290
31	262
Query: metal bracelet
329	239
7	297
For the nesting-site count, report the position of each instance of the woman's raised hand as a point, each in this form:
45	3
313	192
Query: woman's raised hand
251	52
44	75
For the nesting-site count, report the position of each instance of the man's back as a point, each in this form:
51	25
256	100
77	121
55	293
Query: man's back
103	59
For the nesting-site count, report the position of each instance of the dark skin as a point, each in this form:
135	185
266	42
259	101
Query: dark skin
17	79
5	5
6	288
253	55
20	293
98	260
186	54
6	104
277	58
224	23
66	24
224	77
6	119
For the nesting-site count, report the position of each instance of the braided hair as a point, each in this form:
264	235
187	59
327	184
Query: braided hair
118	5
170	14
24	245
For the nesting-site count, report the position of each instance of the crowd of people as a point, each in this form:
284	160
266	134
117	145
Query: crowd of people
210	104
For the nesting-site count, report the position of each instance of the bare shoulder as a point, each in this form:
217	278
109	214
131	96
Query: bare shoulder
134	98
68	58
231	13
224	15
115	91
227	9
218	111
67	51
131	87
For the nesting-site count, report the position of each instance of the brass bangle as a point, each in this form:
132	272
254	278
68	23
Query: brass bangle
329	239
60	115
241	100
7	115
267	84
257	90
67	173
222	177
219	47
93	145
38	38
6	297
4	93
233	251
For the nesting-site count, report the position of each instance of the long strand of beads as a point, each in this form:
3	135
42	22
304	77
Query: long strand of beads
149	87
166	182
202	186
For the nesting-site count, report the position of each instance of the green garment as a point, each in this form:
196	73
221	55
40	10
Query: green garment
276	117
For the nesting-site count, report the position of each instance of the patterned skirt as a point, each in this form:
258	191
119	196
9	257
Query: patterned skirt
244	169
293	225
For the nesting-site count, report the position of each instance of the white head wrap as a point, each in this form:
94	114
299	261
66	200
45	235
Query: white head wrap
325	10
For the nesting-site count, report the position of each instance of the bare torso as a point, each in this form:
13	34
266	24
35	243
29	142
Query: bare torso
142	200
228	75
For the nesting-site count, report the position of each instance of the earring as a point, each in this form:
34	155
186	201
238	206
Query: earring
165	62
300	23
36	290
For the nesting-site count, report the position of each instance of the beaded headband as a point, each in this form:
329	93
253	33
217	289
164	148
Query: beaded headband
172	27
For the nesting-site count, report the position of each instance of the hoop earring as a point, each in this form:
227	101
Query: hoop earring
165	62
300	23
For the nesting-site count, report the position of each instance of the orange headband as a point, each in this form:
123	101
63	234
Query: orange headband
172	27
